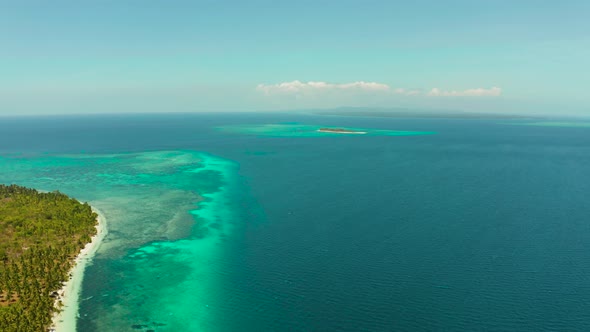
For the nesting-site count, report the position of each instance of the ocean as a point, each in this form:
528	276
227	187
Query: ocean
456	225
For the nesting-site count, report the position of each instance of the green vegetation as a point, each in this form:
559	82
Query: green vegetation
40	236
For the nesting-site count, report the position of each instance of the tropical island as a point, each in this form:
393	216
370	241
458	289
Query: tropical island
41	234
340	131
305	130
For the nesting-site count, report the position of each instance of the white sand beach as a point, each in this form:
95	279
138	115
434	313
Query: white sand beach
65	320
332	131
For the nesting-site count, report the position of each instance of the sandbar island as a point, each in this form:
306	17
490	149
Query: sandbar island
340	131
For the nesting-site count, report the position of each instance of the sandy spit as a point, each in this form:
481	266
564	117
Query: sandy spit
65	320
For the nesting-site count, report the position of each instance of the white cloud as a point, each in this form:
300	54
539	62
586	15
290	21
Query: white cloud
479	92
298	87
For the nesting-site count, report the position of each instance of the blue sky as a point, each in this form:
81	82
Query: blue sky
182	56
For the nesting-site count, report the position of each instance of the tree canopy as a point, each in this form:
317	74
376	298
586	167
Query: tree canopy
40	236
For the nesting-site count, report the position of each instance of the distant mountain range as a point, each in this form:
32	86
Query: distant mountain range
414	113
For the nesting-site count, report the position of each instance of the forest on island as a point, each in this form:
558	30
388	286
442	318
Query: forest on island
40	236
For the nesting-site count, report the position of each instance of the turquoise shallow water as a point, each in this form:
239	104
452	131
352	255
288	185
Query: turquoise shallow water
164	234
480	227
302	130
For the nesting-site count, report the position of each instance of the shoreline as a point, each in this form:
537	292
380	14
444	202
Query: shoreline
341	131
65	320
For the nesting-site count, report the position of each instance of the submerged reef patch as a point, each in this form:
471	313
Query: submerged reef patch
303	130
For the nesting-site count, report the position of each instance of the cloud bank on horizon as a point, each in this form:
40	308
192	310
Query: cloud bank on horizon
299	87
478	92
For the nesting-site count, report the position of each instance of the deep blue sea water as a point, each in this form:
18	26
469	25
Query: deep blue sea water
483	226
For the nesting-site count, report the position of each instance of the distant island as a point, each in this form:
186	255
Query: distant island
340	131
402	113
41	234
305	130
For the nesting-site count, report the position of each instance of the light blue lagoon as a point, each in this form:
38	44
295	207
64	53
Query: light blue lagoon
168	215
